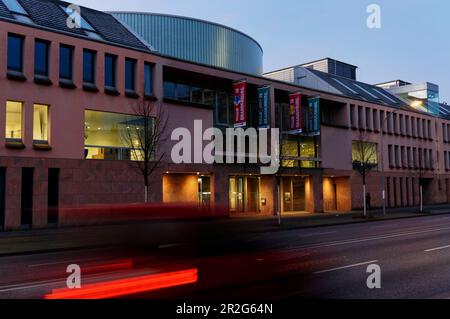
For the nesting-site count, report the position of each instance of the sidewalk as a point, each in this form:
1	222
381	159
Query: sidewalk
155	233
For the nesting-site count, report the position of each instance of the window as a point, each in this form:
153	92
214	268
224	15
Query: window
391	164
360	118
65	62
148	79
14	119
15	53
414	157
394	119
429	130
444	132
368	119
84	25
110	70
89	66
374	120
424	128
408	157
130	75
364	153
382	122
401	124
40	124
407	127
352	115
106	135
388	122
402	157
397	162
41	57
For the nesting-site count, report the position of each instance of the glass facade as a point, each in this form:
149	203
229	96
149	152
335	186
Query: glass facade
244	194
14	120
40	123
309	149
41	57
89	66
65	62
219	100
107	136
15	53
110	70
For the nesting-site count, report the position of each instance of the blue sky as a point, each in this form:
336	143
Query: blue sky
413	43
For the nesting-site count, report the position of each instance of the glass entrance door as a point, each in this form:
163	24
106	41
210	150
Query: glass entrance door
244	194
293	194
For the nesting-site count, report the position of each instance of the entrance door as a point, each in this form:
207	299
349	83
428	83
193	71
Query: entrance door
204	192
252	195
244	194
293	193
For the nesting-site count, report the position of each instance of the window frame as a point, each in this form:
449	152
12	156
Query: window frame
70	65
113	71
130	66
9	53
46	61
92	68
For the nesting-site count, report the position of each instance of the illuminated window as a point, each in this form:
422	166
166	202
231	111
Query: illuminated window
40	124
113	136
365	153
14	121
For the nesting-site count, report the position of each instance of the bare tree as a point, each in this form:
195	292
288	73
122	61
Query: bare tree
364	160
143	133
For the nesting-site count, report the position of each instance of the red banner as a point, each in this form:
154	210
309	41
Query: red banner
240	104
295	113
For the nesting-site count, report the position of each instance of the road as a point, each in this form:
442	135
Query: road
324	262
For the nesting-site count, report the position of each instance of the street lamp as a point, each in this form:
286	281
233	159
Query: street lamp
383	182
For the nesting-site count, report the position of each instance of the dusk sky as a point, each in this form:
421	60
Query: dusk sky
412	44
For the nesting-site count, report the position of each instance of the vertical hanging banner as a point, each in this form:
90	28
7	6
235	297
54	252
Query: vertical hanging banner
240	104
295	113
264	107
314	116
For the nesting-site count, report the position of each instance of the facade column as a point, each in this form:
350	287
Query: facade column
317	183
40	197
13	198
221	191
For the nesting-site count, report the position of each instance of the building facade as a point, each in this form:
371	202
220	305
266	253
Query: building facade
67	95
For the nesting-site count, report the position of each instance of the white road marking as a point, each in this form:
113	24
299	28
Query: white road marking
437	248
318	234
362	240
346	267
169	246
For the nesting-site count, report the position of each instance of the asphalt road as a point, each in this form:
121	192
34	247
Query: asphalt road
325	262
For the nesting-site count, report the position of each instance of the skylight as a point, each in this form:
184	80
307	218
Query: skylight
15	7
366	91
84	24
380	91
346	86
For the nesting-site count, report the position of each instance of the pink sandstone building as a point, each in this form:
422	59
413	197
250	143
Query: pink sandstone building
65	94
